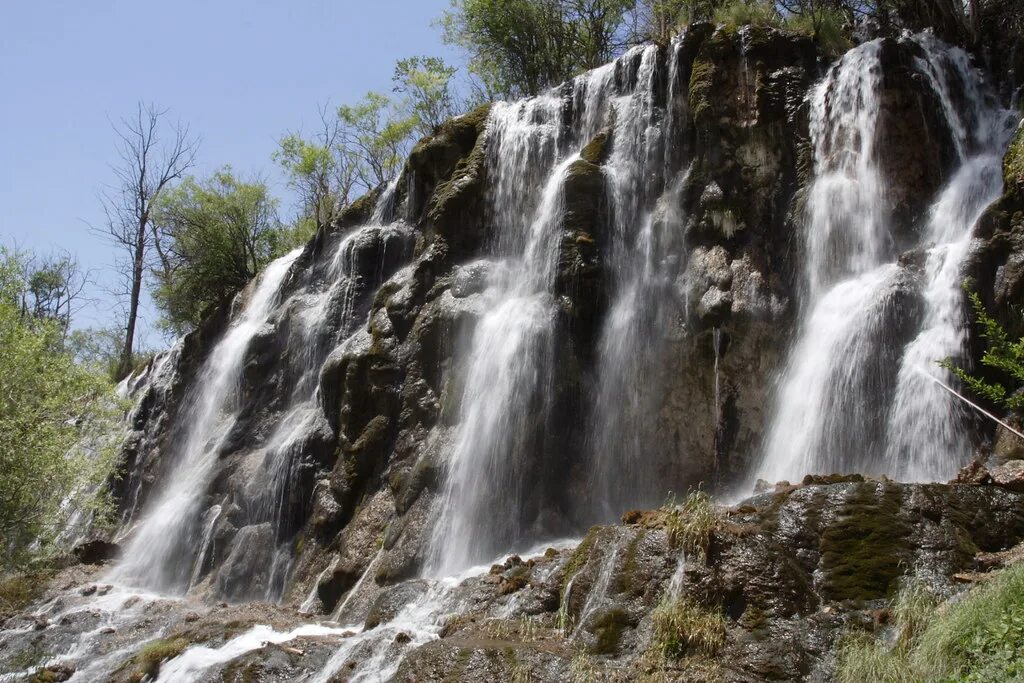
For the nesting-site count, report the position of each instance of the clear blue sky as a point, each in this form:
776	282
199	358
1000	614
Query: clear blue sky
239	72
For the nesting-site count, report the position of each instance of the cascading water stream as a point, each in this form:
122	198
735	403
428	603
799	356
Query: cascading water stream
324	312
155	554
645	210
840	405
508	368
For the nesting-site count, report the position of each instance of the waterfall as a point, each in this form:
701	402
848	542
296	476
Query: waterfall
508	367
854	395
160	552
504	378
630	346
319	310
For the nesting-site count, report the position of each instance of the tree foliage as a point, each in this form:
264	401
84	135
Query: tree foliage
519	47
214	236
53	415
425	84
1004	356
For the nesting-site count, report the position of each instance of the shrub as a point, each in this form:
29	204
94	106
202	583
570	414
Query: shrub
826	26
57	435
1002	355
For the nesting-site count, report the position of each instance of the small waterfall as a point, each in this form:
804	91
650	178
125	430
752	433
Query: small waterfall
505	376
321	308
508	369
839	406
645	198
160	553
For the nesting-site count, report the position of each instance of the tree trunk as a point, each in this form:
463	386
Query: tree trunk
125	366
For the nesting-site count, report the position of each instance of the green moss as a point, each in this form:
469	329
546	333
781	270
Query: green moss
754	618
629	581
1013	162
608	626
863	550
702	83
146	662
579	556
596	151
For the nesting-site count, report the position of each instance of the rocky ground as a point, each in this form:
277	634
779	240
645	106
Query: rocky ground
762	590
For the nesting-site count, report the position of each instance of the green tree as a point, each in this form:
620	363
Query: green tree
53	414
378	135
425	83
321	170
519	47
52	287
1004	356
214	236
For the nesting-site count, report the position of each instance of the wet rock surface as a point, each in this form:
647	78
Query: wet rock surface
789	571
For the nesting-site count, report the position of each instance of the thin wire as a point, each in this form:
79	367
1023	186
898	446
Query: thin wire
969	402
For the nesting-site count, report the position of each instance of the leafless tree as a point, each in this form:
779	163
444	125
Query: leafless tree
148	164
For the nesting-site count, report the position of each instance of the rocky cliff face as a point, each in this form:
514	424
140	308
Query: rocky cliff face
365	473
645	229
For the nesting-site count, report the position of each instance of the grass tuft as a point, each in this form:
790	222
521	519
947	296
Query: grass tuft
146	662
691	524
682	627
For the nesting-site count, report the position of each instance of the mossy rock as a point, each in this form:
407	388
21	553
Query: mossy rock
597	150
580	556
607	626
145	664
630	580
702	83
359	211
864	550
435	157
584	197
1013	162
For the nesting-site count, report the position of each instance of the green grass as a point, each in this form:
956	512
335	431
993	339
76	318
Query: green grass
683	627
979	638
691	524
